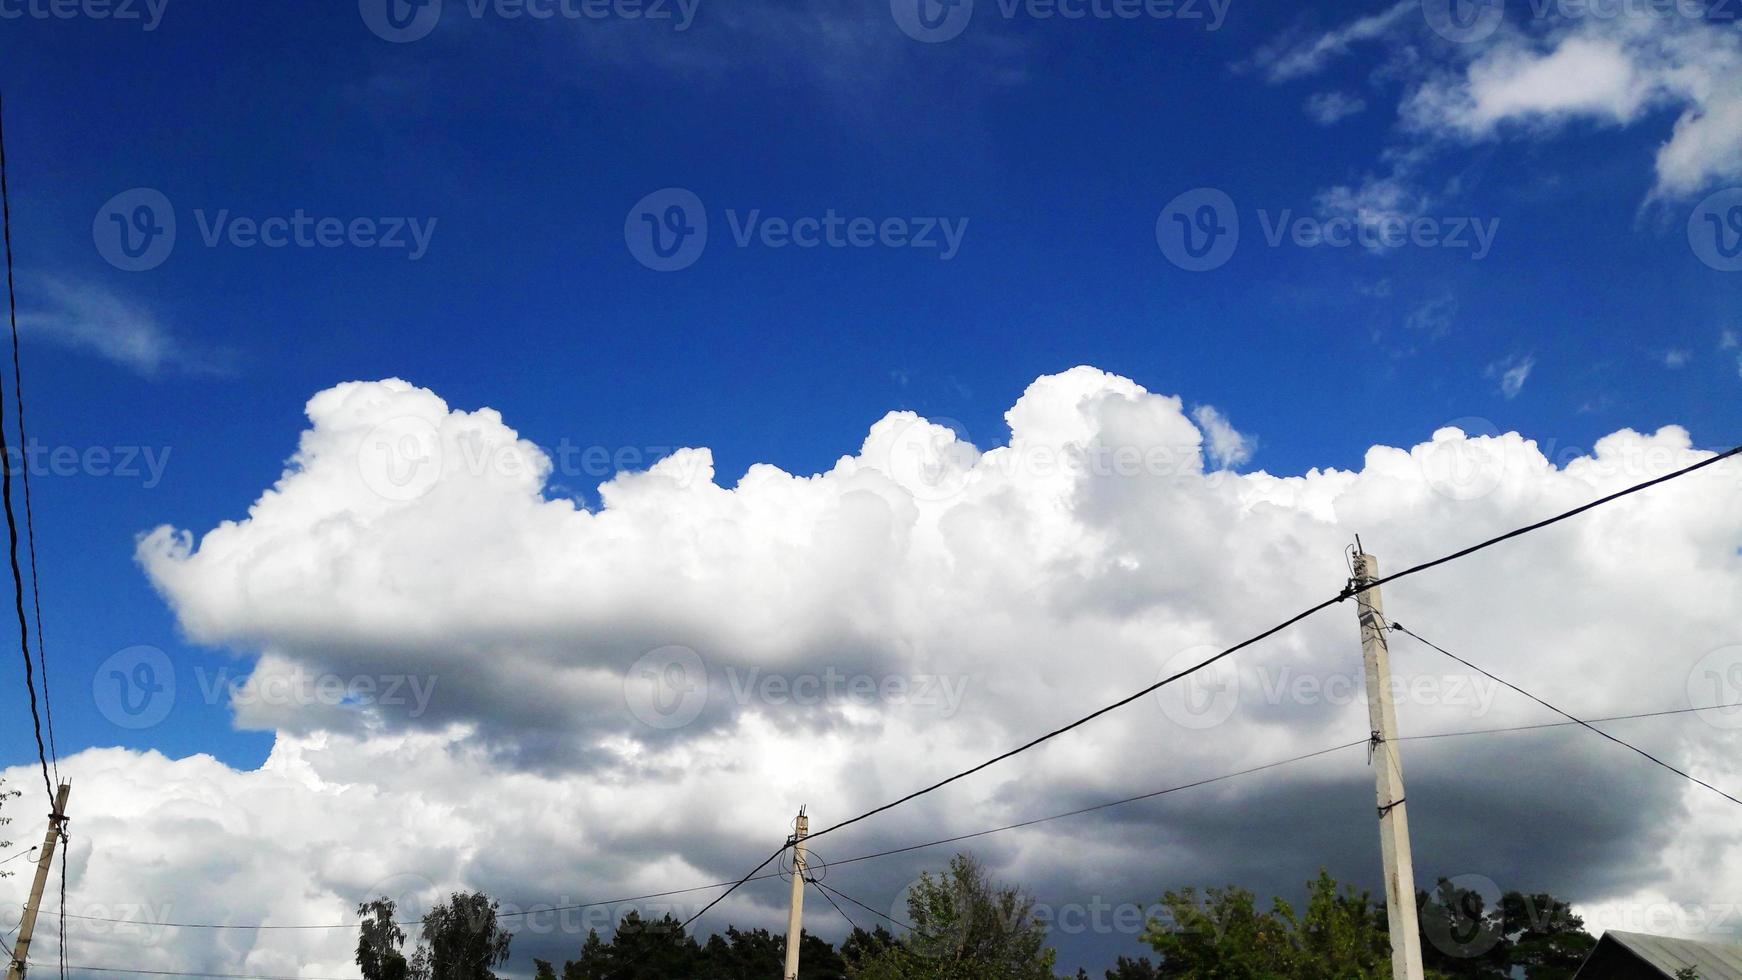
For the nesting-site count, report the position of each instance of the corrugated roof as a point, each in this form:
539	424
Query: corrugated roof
1715	961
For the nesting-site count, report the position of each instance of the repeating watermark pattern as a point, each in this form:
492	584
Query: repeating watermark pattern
143	463
404	458
1464	469
401	459
935	461
1464	21
1474	21
667	231
141	923
1715	230
136	688
1208	697
1475	466
147	14
1718	919
136	231
403	21
1199	230
301	688
1715	683
936	21
668	688
1096	915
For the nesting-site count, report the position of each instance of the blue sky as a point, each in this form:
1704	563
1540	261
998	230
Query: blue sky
523	147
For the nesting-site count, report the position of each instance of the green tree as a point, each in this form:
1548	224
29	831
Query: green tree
1225	936
1129	969
379	941
965	927
461	940
1544	936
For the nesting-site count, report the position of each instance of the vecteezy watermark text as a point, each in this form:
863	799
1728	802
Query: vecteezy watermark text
136	230
146	13
935	21
1200	230
668	230
669	688
144	463
403	21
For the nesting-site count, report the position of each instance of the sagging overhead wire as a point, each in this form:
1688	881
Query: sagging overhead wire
1399	627
1348	591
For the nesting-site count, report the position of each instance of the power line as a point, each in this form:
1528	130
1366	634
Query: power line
867	908
1347	592
1401	629
1568	724
6	482
838	908
942	841
29	510
771	875
18	855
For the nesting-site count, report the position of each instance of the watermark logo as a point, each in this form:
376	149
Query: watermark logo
1204	698
134	688
1715	230
1460	467
147	13
931	458
1715	683
401	459
401	21
412	895
1466	920
135	230
932	21
667	230
1464	21
1199	230
666	688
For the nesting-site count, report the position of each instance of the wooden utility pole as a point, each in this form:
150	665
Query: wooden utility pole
795	919
27	923
1388	776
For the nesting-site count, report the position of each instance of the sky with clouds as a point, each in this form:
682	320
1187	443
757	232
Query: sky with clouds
477	449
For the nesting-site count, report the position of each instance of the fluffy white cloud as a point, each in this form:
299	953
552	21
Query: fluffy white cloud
567	750
1534	74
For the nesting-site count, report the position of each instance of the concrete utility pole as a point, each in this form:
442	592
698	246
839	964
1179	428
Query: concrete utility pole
795	919
27	923
1388	775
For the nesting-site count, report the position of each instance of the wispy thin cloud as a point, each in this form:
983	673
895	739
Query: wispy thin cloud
1512	373
86	316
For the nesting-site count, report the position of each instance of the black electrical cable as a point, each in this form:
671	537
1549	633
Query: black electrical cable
6	481
1579	721
946	840
1348	591
867	908
843	912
